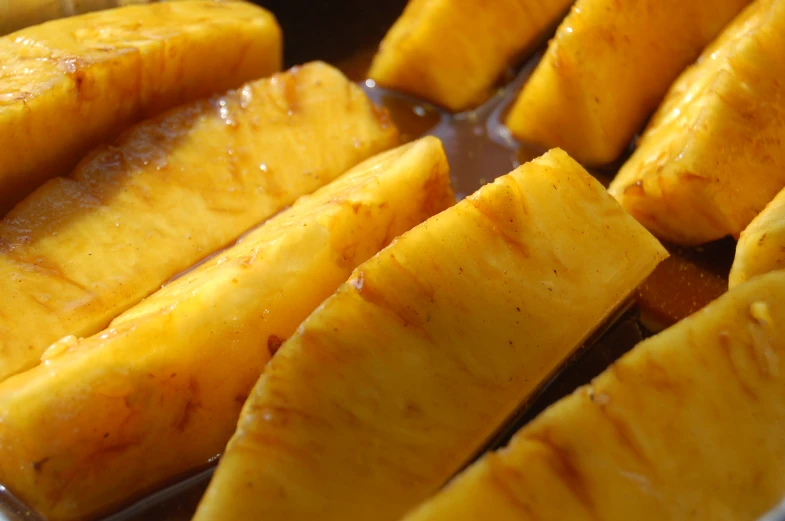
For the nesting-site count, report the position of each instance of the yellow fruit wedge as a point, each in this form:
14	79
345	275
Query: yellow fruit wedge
158	393
393	384
452	52
70	84
83	249
687	426
712	157
608	67
761	247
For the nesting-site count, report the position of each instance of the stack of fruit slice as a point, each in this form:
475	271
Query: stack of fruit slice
686	426
398	379
359	348
68	85
83	249
712	157
158	393
608	67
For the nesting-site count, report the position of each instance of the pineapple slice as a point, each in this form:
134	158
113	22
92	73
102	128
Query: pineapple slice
687	426
159	392
452	52
761	247
81	250
712	157
402	375
607	68
68	85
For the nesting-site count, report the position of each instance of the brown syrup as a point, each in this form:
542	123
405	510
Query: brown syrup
479	149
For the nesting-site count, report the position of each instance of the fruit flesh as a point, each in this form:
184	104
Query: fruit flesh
761	247
71	84
608	67
711	158
451	53
392	385
687	426
158	393
83	249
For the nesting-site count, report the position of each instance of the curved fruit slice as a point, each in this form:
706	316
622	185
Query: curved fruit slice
68	85
81	250
452	52
761	247
159	392
402	375
607	68
686	426
712	157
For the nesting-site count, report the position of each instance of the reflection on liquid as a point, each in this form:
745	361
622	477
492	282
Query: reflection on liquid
11	509
478	146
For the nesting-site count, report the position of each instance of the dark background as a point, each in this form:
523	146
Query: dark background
341	28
